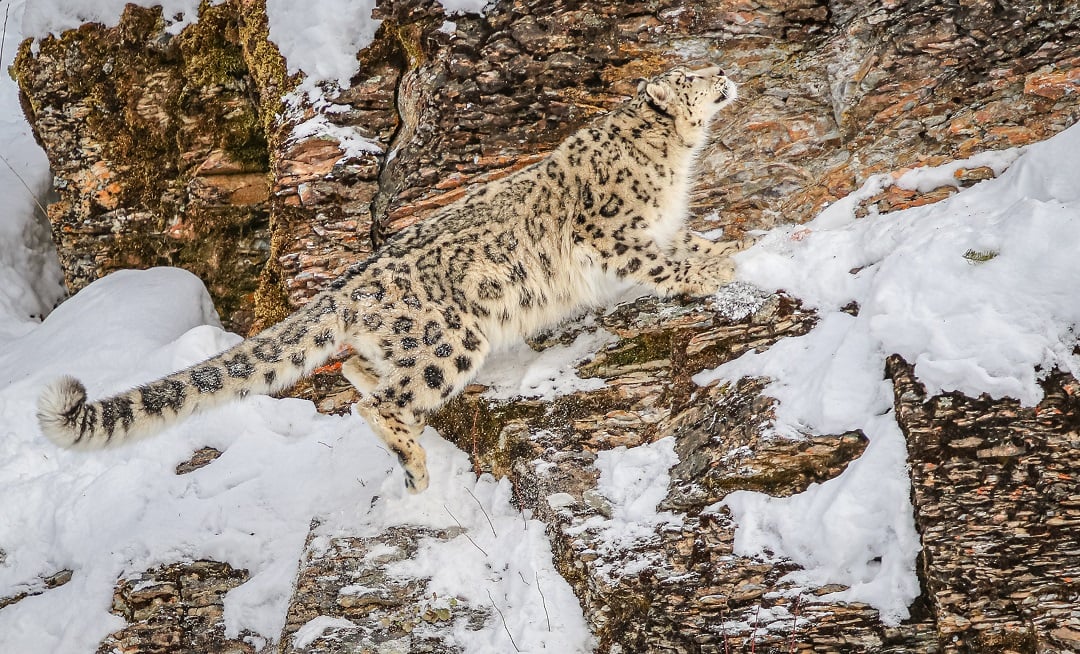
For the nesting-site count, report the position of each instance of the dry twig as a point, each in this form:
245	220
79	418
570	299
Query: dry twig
503	618
464	532
794	625
543	600
482	510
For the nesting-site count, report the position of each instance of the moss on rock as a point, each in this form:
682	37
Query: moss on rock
132	119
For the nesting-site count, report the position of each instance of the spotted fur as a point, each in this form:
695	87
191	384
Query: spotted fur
511	258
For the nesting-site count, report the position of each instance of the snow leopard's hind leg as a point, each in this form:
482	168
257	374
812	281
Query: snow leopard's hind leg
360	374
399	428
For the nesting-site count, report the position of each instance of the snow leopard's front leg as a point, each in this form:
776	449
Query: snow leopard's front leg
688	245
645	262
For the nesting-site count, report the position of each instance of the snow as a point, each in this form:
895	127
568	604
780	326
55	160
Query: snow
30	280
632	482
308	95
992	326
855	529
44	17
321	39
636	479
521	371
125	510
318	626
458	7
969	326
737	300
978	291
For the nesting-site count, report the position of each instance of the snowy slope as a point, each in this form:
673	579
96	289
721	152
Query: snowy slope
283	463
978	290
974	326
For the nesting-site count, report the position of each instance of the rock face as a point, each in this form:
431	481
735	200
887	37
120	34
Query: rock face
996	503
157	152
182	150
190	150
682	589
177	609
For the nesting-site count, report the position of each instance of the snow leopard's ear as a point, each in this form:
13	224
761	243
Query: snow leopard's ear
658	95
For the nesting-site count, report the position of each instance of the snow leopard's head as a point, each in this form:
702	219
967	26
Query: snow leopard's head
690	97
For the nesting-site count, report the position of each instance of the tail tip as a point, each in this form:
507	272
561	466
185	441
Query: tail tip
57	410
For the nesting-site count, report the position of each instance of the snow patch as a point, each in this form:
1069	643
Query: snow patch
458	7
519	371
310	97
351	144
315	628
30	278
737	300
634	481
44	17
928	178
321	39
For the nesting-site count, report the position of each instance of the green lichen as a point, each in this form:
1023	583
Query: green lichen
980	256
477	425
266	66
641	349
215	71
210	47
271	81
407	38
271	301
229	259
244	141
19	71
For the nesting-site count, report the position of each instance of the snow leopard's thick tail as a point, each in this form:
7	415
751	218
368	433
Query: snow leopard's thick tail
271	361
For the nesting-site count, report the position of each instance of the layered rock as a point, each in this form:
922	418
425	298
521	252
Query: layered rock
178	609
682	589
997	503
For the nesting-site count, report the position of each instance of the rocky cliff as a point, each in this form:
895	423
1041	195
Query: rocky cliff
183	150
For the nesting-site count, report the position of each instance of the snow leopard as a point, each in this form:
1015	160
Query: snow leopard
511	258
